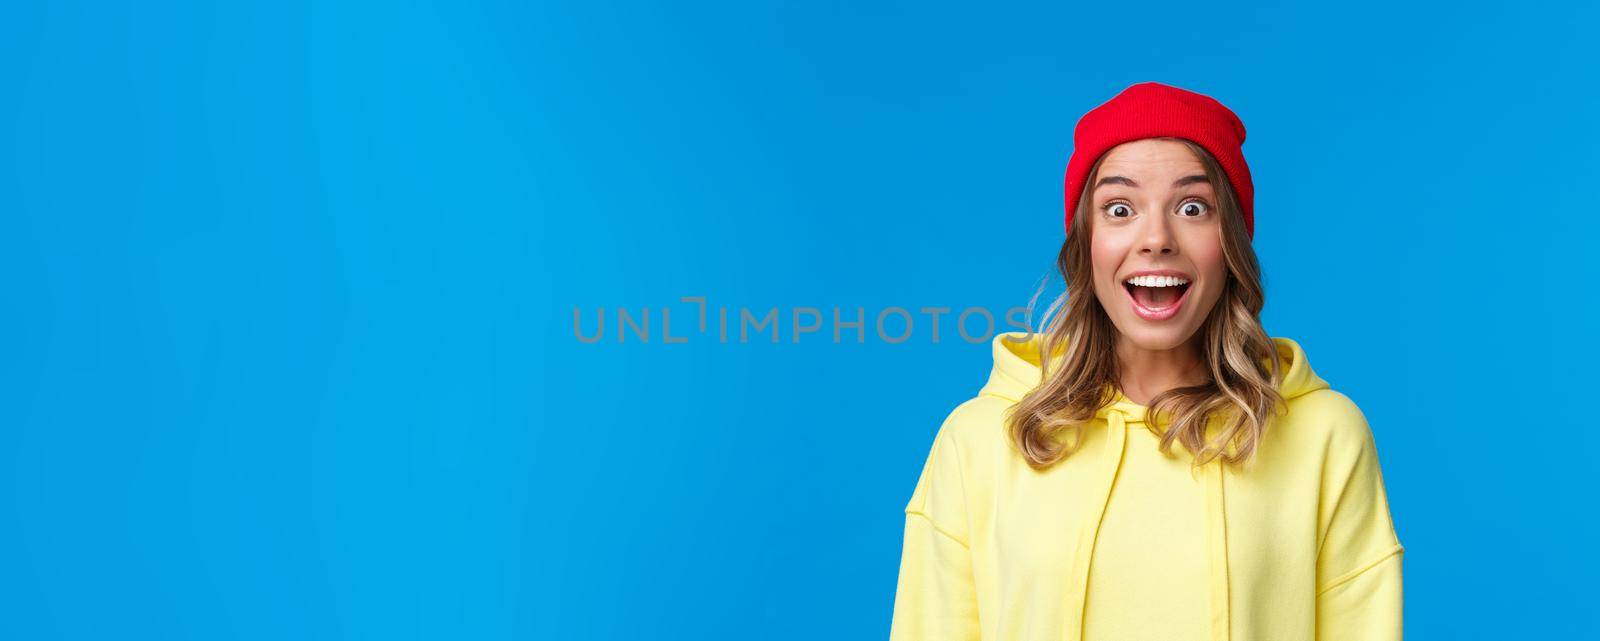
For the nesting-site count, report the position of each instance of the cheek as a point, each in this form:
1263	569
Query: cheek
1205	252
1210	261
1107	249
1105	258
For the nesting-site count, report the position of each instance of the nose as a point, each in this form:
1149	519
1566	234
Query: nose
1155	237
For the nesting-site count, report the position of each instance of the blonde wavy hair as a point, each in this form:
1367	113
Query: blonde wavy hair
1241	394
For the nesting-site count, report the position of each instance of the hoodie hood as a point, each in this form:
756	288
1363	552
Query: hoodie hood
1017	369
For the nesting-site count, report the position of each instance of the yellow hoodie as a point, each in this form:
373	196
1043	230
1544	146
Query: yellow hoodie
1119	542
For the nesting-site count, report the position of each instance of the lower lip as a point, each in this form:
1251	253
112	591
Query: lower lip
1158	314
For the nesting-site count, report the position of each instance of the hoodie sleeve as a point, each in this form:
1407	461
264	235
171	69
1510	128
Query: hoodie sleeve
1359	560
936	599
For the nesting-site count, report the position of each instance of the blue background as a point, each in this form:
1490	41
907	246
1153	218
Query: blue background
290	295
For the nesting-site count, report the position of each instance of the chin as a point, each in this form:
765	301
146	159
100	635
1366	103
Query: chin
1156	338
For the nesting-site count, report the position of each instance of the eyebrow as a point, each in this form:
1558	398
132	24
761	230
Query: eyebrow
1124	180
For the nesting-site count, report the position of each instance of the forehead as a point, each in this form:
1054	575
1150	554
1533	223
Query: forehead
1150	158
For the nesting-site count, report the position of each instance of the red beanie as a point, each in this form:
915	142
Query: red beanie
1152	109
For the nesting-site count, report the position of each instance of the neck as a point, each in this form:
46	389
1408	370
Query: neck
1147	373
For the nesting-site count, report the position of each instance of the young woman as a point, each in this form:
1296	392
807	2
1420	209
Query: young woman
1169	471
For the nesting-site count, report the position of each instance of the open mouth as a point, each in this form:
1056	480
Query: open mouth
1157	303
1156	297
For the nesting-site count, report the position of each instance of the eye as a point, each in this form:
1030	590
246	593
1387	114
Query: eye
1113	207
1194	208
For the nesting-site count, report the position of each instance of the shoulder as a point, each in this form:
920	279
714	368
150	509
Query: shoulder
977	425
1329	419
974	439
958	479
1328	408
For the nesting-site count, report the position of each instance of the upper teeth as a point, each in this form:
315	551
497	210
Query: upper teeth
1157	281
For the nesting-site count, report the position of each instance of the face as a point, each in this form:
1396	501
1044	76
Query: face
1153	210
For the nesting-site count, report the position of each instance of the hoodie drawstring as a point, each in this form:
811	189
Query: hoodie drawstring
1216	531
1217	539
1116	447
